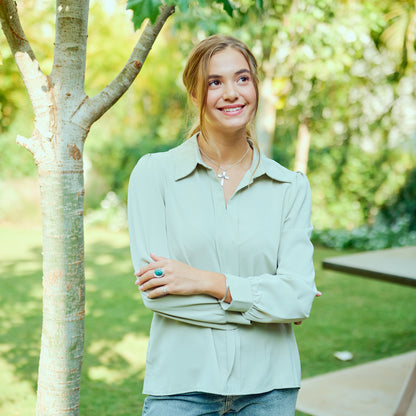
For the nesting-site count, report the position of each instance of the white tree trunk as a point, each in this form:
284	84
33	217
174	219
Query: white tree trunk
63	117
57	146
302	148
63	292
266	116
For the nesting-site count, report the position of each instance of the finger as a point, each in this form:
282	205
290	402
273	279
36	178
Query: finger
149	267
148	276
142	278
153	283
318	294
157	258
141	271
144	269
158	292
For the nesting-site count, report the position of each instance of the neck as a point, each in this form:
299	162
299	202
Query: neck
224	147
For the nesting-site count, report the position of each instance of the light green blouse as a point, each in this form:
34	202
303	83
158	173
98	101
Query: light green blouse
260	241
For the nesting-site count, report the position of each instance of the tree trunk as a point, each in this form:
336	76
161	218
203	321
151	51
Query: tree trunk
266	116
63	117
302	148
58	155
62	195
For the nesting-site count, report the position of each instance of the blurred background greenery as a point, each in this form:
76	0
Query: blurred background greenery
339	73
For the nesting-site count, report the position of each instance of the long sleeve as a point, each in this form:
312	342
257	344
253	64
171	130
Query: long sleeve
147	230
287	295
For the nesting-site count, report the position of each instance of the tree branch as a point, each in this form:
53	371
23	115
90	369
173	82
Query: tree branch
93	108
12	28
23	54
36	82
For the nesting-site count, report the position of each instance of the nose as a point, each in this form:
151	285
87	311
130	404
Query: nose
230	93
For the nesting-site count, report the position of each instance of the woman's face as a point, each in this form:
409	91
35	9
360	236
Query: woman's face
231	96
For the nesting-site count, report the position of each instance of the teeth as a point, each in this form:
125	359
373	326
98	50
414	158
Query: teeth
229	110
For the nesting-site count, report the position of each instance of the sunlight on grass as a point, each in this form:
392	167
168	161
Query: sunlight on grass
132	348
104	259
371	319
17	397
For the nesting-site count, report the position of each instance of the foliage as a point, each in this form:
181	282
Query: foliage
15	110
343	86
117	324
400	33
111	214
394	225
331	70
143	9
150	117
377	236
402	205
12	92
8	103
15	161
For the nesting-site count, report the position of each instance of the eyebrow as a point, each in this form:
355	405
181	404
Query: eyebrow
241	71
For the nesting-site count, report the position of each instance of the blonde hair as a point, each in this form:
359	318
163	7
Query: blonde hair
195	76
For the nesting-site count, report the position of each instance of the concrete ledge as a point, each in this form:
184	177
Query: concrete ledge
371	389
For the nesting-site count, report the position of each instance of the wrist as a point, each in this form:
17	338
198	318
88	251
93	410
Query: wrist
216	285
227	291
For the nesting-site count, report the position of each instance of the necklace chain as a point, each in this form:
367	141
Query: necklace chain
223	175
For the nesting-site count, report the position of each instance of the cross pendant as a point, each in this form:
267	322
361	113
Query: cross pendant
223	176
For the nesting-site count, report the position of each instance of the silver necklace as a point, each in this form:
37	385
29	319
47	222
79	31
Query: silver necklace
223	175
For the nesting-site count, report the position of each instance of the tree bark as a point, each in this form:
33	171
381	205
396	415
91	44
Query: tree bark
266	116
59	378
302	148
63	117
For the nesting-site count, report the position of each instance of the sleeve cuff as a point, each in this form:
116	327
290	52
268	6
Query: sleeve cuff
240	289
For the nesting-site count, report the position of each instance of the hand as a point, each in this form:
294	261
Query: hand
318	294
178	279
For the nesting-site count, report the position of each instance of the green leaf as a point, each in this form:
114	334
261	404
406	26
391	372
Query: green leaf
143	9
259	4
182	4
228	7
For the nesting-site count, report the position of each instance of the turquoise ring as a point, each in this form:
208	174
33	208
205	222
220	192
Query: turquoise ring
158	272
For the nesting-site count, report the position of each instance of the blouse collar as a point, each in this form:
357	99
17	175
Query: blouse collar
188	157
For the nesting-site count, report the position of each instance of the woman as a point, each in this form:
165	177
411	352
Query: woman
220	244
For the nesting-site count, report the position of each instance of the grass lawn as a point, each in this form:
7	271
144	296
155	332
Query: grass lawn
371	319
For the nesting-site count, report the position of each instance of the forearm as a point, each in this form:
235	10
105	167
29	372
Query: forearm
200	310
215	285
179	278
186	293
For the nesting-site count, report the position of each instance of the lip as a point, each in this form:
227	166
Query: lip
234	109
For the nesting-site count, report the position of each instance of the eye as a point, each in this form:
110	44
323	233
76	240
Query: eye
214	83
243	79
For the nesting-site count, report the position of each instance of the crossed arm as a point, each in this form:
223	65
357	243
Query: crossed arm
196	296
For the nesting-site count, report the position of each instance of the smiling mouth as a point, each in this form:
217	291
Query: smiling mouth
231	109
